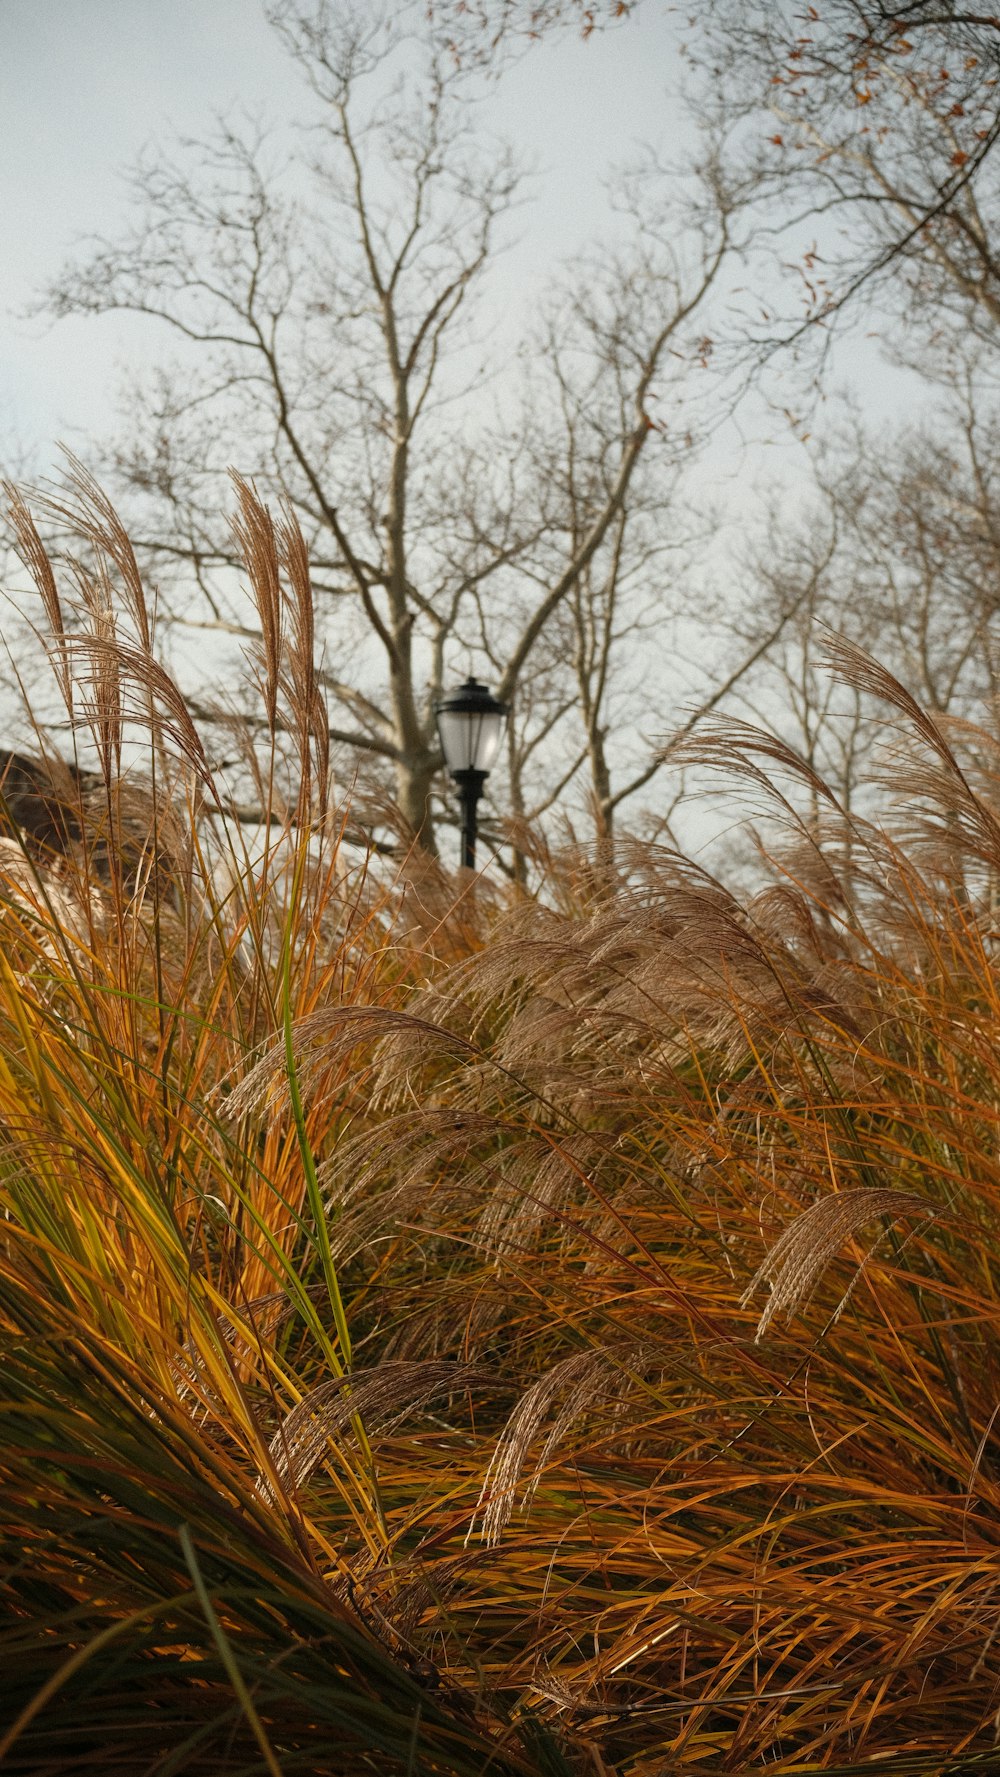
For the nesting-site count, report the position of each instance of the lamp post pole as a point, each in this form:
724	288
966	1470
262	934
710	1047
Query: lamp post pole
470	787
470	724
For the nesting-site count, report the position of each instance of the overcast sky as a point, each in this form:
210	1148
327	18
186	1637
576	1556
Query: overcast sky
84	84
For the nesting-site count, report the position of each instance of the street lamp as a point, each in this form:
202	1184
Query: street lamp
470	724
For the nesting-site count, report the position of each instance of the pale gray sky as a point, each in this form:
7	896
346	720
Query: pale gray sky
84	84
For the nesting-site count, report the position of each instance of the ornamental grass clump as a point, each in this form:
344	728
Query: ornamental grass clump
166	1300
498	1335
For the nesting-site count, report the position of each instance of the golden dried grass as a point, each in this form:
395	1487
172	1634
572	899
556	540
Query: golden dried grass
385	1381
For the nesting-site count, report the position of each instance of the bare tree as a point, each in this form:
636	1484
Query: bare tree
481	26
325	305
868	129
899	551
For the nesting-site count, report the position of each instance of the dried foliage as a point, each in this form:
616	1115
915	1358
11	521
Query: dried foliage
385	1381
797	1261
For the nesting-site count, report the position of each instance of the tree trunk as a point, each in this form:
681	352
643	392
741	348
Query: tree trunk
604	811
414	783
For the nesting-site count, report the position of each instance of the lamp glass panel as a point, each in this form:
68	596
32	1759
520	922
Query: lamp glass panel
488	735
457	731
